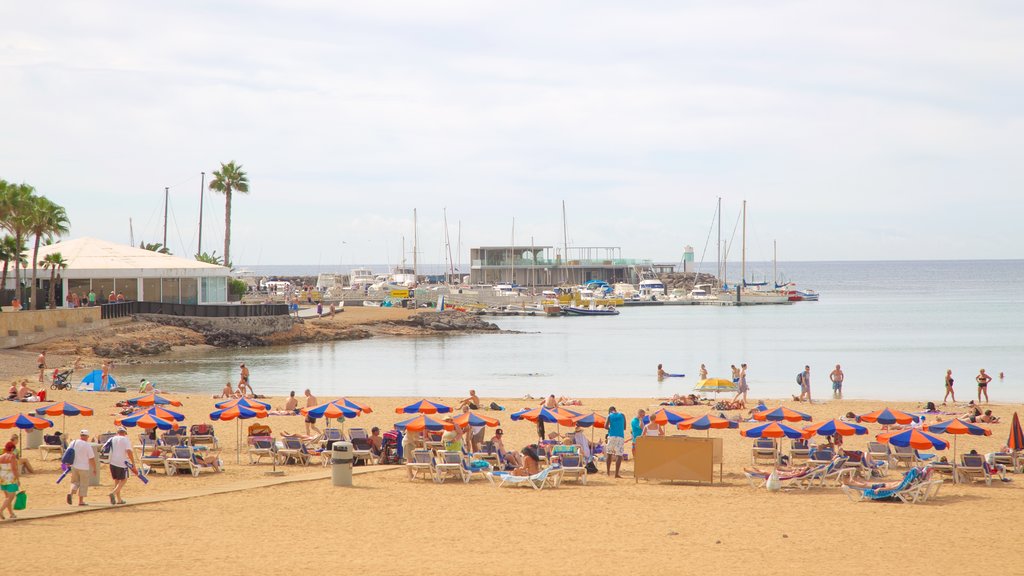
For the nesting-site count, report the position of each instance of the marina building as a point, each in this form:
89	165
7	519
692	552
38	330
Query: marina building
548	266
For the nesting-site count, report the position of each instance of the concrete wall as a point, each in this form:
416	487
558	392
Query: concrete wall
31	326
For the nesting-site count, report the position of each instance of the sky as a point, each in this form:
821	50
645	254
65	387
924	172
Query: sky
854	131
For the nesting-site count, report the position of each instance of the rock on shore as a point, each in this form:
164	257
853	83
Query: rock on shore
449	320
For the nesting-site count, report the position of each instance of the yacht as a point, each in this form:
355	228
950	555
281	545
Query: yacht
361	277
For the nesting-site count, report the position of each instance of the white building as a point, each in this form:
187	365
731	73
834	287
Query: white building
143	275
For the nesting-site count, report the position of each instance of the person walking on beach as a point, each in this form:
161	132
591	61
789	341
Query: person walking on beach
983	380
636	425
243	380
949	388
703	372
81	468
837	382
616	441
805	384
9	479
41	361
120	457
310	421
743	388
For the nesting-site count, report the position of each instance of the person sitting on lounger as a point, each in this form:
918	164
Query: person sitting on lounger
376	441
876	486
211	460
531	463
512	459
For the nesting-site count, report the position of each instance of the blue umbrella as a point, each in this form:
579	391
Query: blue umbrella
332	409
424	407
772	430
423	422
243	402
144	419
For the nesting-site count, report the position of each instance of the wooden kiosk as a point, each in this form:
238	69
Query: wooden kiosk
678	458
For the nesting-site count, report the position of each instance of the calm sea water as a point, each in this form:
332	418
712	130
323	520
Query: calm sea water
894	326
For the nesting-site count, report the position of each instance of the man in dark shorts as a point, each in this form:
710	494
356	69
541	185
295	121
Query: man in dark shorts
120	457
310	421
983	380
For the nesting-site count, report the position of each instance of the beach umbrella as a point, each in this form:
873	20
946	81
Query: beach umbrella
333	409
355	405
24	422
914	438
707	422
143	419
957	427
424	407
474	419
557	415
670	416
772	430
251	403
165	413
153	400
716	385
239	412
592	420
833	427
781	413
1016	440
888	417
64	409
424	422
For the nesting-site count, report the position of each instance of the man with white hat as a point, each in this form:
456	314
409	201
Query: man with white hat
120	456
85	462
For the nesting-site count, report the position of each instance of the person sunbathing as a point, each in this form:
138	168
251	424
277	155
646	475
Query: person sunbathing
876	486
12	393
987	418
211	461
304	438
530	465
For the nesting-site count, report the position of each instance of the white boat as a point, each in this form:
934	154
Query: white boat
361	277
402	277
651	289
701	292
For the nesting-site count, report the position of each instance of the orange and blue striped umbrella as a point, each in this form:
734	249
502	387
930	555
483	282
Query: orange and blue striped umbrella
153	400
670	416
591	420
888	417
474	419
1016	440
424	407
559	415
250	403
165	413
238	412
355	405
833	427
781	413
64	409
144	419
957	427
424	422
914	438
706	422
25	422
772	430
333	409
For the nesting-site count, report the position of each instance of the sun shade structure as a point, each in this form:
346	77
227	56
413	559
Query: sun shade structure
591	420
240	409
716	385
355	405
707	422
833	427
957	427
560	416
64	409
670	416
914	438
1016	440
144	419
250	403
474	419
165	413
781	414
25	422
153	400
424	407
888	417
332	409
772	430
424	422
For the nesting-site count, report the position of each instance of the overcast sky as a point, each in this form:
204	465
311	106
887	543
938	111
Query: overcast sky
855	130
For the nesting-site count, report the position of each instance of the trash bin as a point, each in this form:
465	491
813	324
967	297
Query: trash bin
341	464
94	479
33	438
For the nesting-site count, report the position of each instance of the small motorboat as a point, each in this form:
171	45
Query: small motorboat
591	311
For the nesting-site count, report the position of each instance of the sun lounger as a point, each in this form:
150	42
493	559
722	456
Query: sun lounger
51	443
537	481
261	447
941	470
468	470
361	447
202	434
908	490
799	477
420	462
880	451
910	456
799	450
183	459
571	465
833	472
171	439
972	469
821	456
291	448
857	461
332	435
1012	460
764	451
447	464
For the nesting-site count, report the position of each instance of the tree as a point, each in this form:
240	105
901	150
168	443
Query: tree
229	179
10	252
155	247
210	258
54	261
15	207
45	219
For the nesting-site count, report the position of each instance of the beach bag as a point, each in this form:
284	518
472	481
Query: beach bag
69	455
800	378
496	406
591	468
21	500
773	484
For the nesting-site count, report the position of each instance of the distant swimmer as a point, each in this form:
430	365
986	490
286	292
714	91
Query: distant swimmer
661	372
703	372
983	380
949	388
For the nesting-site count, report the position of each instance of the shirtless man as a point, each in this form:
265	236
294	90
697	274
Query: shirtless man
243	381
25	394
661	372
292	404
473	402
983	380
735	374
41	361
227	392
550	403
310	421
837	382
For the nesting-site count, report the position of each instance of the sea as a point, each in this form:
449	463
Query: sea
894	327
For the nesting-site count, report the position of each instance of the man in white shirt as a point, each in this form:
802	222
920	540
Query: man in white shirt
85	462
120	455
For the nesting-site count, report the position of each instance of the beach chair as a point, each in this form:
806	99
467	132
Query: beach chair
908	490
857	461
764	451
799	450
537	481
571	465
51	443
447	464
941	470
488	452
433	441
973	469
261	447
172	439
821	456
1012	460
468	469
202	434
183	459
928	486
800	477
905	455
362	450
833	471
880	451
332	435
421	461
291	448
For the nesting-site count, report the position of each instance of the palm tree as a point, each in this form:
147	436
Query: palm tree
154	247
230	178
45	218
210	258
54	261
15	207
9	252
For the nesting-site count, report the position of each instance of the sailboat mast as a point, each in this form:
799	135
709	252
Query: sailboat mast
565	245
167	195
512	254
415	266
458	252
202	185
448	249
720	275
775	263
743	265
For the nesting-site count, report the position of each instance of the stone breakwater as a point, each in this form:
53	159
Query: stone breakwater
449	320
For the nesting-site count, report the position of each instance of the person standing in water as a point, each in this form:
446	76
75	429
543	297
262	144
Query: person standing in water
949	388
837	377
703	372
743	388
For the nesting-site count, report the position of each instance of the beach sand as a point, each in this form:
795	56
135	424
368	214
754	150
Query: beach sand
387	524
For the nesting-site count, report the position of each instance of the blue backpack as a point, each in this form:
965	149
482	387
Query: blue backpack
69	455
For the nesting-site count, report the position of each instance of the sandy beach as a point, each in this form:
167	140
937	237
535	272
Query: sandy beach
395	526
